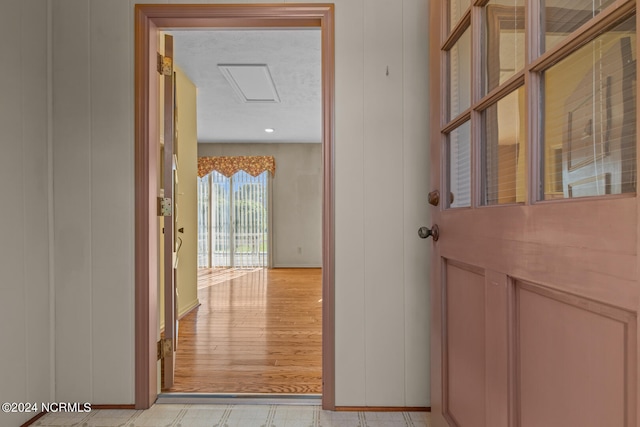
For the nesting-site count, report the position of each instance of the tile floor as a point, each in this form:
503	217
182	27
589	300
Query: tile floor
179	415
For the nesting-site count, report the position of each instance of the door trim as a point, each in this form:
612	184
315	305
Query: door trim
149	19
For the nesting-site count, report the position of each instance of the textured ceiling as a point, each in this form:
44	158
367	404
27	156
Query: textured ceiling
293	58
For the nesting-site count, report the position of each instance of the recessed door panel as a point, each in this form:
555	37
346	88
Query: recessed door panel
573	360
465	345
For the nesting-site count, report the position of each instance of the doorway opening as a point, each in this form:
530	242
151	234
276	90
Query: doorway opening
247	328
149	20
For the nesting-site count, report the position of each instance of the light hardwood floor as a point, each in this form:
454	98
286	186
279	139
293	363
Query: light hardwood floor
255	332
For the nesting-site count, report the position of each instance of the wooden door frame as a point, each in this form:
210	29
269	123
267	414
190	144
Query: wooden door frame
149	19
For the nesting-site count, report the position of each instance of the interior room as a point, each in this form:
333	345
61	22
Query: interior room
248	199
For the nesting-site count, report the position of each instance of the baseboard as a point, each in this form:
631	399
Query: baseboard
189	309
129	406
383	408
33	419
93	407
186	311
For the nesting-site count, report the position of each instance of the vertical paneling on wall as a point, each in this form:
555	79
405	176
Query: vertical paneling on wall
24	254
381	182
72	199
112	225
416	210
382	316
93	188
383	203
349	202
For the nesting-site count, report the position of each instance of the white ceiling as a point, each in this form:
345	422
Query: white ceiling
293	58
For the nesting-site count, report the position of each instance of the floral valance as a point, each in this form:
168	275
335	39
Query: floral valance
227	166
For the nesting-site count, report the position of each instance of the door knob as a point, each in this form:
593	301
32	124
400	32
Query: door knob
434	198
425	232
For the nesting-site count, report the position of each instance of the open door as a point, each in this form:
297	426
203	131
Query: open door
534	290
168	211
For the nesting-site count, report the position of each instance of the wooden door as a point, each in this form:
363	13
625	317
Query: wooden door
169	260
534	290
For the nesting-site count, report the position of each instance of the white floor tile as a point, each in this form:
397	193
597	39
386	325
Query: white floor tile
170	415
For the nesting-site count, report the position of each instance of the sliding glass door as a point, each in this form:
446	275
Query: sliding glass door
233	219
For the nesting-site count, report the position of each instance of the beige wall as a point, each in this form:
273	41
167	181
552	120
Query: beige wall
186	196
187	193
381	148
297	198
25	371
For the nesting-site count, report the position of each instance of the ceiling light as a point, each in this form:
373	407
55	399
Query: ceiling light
269	130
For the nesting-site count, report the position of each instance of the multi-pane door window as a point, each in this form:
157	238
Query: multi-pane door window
553	81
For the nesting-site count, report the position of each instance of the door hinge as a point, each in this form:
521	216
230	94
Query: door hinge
165	347
164	206
165	65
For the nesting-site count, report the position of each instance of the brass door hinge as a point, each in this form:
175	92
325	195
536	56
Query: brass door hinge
165	346
165	65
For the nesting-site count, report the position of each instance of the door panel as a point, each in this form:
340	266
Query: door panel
572	354
465	345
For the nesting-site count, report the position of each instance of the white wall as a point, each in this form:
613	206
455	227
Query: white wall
24	210
297	198
381	184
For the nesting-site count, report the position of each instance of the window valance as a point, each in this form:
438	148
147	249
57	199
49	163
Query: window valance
227	166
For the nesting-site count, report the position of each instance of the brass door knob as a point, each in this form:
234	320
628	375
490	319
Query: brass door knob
434	198
425	232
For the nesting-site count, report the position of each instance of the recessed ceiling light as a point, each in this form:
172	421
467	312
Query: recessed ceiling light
269	130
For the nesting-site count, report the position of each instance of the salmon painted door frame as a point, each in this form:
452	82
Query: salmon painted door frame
149	20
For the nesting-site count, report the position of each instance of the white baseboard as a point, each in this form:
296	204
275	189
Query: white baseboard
184	312
188	309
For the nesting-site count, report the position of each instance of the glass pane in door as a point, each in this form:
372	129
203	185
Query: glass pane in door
562	17
504	41
503	154
460	75
457	8
590	118
203	222
459	166
220	220
250	220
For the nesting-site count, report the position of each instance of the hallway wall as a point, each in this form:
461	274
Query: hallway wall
93	192
25	371
381	137
382	174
